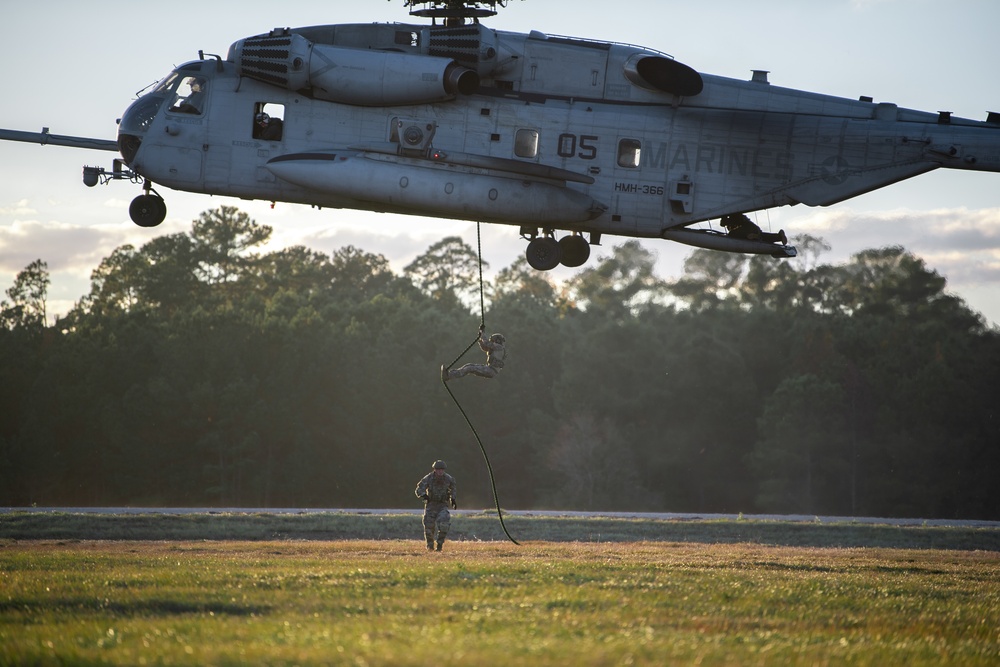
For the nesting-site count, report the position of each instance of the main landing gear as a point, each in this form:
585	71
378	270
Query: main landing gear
545	253
148	209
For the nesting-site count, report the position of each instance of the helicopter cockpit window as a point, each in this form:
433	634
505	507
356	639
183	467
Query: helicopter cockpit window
526	143
268	121
407	38
628	153
167	83
190	95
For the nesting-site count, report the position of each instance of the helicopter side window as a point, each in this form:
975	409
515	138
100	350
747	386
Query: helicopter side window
628	153
526	143
190	95
407	38
268	121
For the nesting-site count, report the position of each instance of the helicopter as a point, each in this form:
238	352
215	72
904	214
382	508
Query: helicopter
551	134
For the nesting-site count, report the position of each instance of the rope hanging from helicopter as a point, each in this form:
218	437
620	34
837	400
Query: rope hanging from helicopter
482	322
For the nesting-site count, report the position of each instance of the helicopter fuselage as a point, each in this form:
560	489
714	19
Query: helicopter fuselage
546	133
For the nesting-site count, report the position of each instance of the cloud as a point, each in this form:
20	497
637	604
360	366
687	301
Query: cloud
961	244
65	247
57	244
19	208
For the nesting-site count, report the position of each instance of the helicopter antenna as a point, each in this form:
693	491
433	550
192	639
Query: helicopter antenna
454	12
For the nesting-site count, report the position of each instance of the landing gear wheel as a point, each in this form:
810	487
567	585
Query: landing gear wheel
147	210
543	253
575	250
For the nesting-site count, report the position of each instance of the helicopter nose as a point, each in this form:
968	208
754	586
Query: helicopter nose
128	146
135	123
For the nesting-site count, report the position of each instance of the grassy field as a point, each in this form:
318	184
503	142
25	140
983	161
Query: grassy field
390	602
318	589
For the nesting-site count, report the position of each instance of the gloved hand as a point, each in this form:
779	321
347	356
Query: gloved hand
425	498
482	328
454	505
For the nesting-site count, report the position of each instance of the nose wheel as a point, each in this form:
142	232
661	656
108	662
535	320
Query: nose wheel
148	209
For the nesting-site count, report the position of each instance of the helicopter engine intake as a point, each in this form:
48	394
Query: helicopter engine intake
350	76
663	74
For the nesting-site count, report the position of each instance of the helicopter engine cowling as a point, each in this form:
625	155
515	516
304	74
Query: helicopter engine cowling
663	74
350	76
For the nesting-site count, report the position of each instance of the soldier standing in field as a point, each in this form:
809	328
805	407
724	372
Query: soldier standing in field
437	490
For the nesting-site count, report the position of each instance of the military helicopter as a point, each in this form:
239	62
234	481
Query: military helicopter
446	117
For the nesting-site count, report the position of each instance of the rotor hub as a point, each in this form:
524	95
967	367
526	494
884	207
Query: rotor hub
454	10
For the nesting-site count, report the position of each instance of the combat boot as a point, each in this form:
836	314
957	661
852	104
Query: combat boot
440	542
430	543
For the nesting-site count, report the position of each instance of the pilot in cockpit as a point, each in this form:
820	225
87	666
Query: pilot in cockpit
193	102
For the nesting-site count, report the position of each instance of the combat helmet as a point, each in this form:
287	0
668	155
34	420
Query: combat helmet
439	465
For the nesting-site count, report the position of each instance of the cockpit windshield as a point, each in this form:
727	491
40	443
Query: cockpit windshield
166	84
139	116
183	90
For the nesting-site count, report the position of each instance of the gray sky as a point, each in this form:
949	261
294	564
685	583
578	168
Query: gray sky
74	67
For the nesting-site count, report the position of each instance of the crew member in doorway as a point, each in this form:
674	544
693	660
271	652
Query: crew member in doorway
266	128
495	354
437	490
740	226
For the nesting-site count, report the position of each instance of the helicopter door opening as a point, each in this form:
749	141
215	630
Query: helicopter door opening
626	204
268	121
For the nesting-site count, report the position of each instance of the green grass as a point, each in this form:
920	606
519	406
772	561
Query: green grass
390	602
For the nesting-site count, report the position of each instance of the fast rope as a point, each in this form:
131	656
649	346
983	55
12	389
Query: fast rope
482	322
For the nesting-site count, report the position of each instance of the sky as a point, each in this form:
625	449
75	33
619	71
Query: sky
74	67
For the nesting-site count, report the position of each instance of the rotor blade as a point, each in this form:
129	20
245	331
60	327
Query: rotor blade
44	137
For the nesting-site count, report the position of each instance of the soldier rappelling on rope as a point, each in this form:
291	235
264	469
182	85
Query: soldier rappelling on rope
495	355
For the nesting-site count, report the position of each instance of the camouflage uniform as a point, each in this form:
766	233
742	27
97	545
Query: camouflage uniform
741	227
437	490
495	354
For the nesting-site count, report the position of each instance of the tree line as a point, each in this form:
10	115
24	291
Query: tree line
200	371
